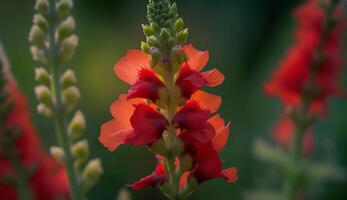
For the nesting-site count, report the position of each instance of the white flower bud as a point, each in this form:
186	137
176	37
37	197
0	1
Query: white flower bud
38	54
42	76
71	95
80	151
66	28
42	109
42	6
40	21
91	173
57	153
68	48
68	79
77	126
37	36
43	95
64	7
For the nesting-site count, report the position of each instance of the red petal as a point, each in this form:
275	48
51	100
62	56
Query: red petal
189	81
153	180
184	179
148	125
127	67
147	86
230	174
213	77
207	101
222	132
197	60
191	116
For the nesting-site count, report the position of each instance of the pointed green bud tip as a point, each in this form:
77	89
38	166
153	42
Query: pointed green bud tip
179	24
42	6
147	30
42	76
77	126
37	36
80	151
40	21
92	171
43	110
68	48
164	34
64	7
43	95
145	47
182	36
66	28
71	95
155	27
153	41
38	54
57	153
68	79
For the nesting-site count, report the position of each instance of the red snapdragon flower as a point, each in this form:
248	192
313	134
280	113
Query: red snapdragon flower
49	179
139	120
290	79
283	134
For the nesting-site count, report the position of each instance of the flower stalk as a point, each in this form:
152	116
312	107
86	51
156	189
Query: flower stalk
53	45
302	117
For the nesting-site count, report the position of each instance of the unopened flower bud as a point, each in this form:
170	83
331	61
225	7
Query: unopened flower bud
68	79
37	36
186	163
145	47
177	146
42	6
178	25
164	34
123	194
43	94
91	173
63	7
182	36
58	153
40	21
155	56
42	76
77	126
42	109
66	28
155	27
159	147
71	95
68	48
81	151
38	54
153	41
147	30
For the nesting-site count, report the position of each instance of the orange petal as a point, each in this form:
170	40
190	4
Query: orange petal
222	132
184	179
123	108
197	60
207	101
213	77
230	174
127	67
112	134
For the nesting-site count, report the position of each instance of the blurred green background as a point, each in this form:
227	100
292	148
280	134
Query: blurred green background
246	39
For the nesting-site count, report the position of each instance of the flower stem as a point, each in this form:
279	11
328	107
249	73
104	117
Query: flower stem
59	118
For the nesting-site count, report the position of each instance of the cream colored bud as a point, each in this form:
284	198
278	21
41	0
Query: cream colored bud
64	7
38	54
68	48
42	76
42	6
42	109
68	79
40	21
92	172
43	94
66	28
71	95
80	151
77	126
58	153
37	36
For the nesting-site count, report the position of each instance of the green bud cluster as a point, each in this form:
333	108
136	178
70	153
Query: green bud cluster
165	34
53	44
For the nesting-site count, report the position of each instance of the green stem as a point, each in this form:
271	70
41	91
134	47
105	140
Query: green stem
60	124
